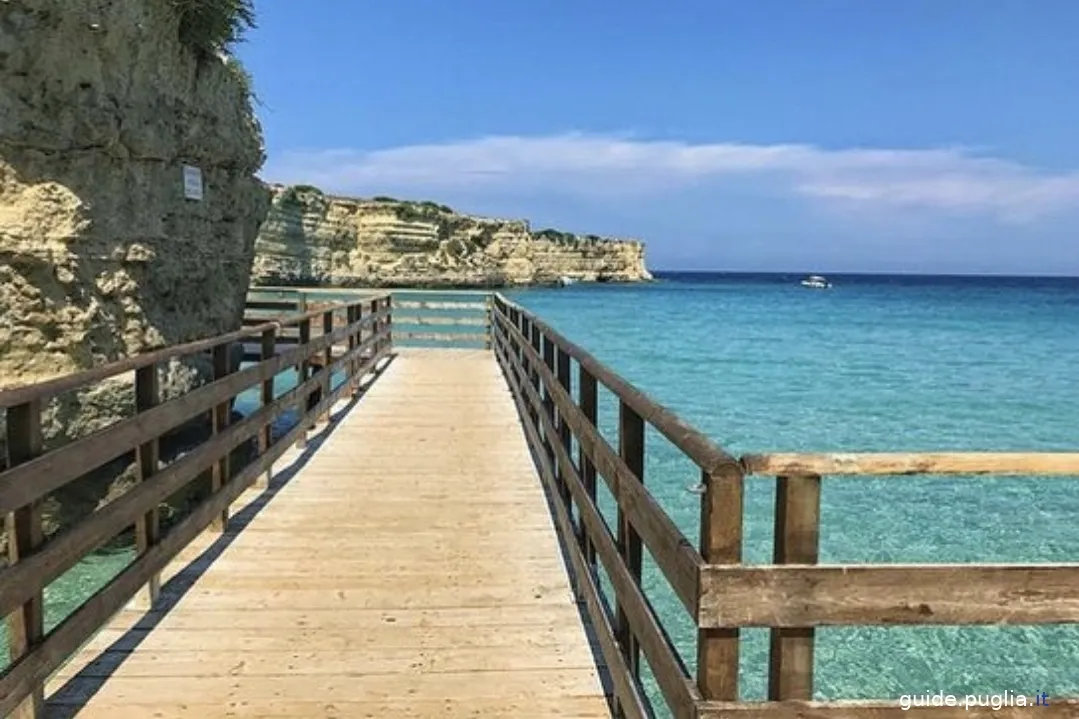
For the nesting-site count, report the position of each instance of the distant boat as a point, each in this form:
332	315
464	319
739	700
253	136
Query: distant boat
816	282
563	281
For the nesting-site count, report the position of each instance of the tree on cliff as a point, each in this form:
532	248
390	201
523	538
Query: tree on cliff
212	26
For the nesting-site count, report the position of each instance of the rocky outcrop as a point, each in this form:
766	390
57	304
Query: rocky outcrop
101	254
312	238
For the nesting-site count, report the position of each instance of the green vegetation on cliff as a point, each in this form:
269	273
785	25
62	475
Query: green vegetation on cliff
213	26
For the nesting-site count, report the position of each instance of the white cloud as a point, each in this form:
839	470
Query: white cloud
953	180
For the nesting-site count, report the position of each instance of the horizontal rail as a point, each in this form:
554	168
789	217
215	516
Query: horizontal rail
441	336
960	463
373	291
551	418
693	443
674	554
51	388
631	702
37	563
794	595
436	320
21	580
425	305
28	482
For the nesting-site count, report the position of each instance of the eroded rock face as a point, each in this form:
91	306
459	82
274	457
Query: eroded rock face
101	255
311	238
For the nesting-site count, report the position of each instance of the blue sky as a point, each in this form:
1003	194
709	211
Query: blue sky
833	135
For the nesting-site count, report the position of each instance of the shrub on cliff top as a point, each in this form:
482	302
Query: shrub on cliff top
213	26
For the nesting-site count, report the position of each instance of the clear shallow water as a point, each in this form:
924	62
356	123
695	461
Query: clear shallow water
877	363
898	364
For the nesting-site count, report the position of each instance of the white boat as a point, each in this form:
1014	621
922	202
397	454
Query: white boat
816	282
565	281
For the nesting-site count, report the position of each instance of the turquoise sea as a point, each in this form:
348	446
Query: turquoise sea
878	363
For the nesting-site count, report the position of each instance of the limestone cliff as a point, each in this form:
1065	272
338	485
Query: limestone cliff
101	256
312	238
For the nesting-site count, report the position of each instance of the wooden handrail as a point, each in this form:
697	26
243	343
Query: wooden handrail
792	596
877	464
35	562
45	390
692	442
795	595
538	368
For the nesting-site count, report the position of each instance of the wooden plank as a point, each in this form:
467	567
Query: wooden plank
406	705
1056	709
722	522
25	535
830	595
359	617
797	534
882	464
672	551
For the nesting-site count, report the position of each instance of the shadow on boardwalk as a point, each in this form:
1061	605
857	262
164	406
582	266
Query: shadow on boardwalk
68	699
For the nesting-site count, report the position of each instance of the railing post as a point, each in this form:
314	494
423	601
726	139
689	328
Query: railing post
562	362
376	327
352	316
327	363
589	401
534	373
721	543
26	626
797	535
267	350
302	375
148	527
631	450
517	322
221	422
388	322
548	409
489	328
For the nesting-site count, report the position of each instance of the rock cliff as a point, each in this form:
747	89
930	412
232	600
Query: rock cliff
102	104
313	238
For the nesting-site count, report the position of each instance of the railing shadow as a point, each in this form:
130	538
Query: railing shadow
68	700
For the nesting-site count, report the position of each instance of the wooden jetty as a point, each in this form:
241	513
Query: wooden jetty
425	540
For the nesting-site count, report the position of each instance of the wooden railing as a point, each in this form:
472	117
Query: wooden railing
362	328
445	319
442	318
794	595
538	363
720	593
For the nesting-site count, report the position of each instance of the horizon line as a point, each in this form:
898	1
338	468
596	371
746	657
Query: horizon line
873	273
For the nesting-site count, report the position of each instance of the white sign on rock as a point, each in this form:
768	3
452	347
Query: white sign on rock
192	183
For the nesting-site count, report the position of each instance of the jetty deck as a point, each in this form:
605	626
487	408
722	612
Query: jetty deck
405	565
396	531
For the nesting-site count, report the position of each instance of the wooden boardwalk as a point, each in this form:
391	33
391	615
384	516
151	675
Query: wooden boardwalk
406	565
